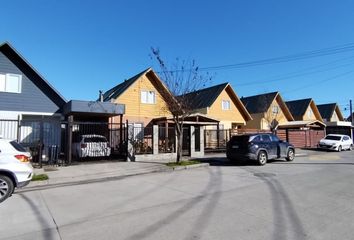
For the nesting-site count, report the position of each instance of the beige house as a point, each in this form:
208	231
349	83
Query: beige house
334	120
304	110
268	111
219	102
144	96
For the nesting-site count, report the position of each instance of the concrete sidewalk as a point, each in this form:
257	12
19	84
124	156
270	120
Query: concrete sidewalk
93	171
108	170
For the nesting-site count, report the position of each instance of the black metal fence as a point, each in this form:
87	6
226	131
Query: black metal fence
167	140
142	139
47	139
216	140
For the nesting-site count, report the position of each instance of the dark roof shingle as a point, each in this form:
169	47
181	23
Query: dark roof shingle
327	110
204	97
298	107
120	88
258	103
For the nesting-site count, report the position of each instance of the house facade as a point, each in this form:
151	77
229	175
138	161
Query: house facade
144	96
146	100
334	120
268	111
30	108
308	127
219	102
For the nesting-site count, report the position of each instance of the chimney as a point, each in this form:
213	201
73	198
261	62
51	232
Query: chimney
100	96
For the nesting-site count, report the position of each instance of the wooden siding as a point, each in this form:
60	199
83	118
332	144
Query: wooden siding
262	120
31	98
302	138
226	117
142	112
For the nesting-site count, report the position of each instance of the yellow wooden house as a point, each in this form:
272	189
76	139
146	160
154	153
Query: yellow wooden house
219	102
144	96
268	111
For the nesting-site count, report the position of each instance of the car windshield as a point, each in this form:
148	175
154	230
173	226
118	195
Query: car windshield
331	137
17	146
95	139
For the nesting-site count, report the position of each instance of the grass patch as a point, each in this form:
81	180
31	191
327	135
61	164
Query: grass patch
40	177
182	163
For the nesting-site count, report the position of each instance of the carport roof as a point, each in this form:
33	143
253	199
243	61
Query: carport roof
75	107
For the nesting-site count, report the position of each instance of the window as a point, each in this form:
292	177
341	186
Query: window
274	138
226	105
148	97
275	110
309	113
10	83
266	138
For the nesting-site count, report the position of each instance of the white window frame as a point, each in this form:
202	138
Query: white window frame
309	113
275	109
144	97
226	105
6	77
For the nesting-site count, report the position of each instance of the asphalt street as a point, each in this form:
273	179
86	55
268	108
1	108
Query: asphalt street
310	198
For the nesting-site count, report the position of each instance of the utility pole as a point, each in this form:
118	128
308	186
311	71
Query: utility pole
351	111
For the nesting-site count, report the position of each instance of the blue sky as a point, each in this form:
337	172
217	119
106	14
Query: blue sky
81	47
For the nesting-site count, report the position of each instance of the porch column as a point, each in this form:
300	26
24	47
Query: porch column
192	140
155	139
201	140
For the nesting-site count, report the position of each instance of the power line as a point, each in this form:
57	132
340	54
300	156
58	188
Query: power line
287	58
321	81
295	75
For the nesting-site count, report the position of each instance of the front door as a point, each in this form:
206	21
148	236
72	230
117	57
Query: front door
186	143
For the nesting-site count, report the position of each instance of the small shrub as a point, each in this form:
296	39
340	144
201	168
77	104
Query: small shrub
40	177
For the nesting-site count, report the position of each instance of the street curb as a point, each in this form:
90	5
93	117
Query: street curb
43	185
178	168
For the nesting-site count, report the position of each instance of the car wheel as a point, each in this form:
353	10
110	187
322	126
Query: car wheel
6	187
339	148
262	158
351	147
290	155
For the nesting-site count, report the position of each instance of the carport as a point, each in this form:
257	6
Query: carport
93	117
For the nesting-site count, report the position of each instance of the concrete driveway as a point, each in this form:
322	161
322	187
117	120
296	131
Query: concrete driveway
310	198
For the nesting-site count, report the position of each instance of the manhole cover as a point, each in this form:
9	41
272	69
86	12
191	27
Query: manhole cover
264	174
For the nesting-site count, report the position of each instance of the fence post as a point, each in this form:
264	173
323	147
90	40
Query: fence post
19	128
69	139
155	139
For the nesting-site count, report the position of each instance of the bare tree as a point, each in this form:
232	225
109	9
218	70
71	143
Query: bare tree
180	78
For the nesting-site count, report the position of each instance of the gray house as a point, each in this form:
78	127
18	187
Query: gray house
30	108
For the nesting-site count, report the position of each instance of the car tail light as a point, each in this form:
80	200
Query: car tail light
83	145
22	158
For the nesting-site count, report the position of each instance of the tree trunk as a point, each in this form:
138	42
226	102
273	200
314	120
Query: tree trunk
179	142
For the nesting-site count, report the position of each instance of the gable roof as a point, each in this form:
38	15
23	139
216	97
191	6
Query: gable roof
259	103
298	107
327	110
205	97
116	91
27	69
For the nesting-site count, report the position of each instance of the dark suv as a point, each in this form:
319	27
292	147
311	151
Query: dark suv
259	147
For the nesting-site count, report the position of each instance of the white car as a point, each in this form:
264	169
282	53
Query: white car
15	168
336	142
91	145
